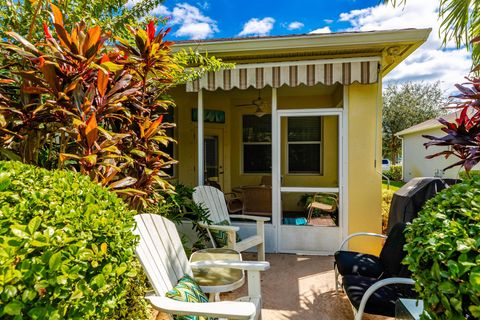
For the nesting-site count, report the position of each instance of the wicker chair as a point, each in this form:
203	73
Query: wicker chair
257	200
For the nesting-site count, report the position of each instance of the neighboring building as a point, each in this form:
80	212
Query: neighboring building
315	128
414	163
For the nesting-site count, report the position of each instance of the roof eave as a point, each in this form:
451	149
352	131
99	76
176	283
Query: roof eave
325	41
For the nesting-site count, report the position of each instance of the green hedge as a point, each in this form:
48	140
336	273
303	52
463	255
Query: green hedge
472	173
443	246
66	248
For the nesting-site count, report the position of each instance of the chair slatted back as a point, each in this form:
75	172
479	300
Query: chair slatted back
213	200
161	252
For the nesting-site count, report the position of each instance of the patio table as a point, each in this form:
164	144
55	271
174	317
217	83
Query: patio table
408	309
216	280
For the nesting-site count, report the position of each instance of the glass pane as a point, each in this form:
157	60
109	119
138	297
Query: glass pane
304	158
211	157
257	129
304	129
319	209
257	158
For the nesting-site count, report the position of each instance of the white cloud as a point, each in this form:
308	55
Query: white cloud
295	25
328	21
430	62
160	10
257	27
322	30
192	22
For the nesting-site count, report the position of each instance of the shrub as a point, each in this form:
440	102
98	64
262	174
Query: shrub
387	196
443	246
395	172
474	173
66	248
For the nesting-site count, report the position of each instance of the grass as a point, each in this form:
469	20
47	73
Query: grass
394	185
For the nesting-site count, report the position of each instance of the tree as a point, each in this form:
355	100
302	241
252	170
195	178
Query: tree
73	101
26	16
404	106
460	22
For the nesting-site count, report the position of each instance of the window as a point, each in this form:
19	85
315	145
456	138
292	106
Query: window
257	144
304	145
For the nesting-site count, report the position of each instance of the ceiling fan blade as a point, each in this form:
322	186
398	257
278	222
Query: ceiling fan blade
245	105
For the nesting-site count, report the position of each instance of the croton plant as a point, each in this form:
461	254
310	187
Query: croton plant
89	101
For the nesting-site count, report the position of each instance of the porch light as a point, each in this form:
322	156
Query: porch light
259	112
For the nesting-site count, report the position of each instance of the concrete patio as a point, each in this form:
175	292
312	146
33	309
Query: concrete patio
300	287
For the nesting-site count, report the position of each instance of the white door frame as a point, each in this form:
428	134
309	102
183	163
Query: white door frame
277	189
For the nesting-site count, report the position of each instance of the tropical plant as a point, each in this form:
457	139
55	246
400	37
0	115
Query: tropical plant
444	253
74	102
462	139
66	248
460	21
405	105
179	206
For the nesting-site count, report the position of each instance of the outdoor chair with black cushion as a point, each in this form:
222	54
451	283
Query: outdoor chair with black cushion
374	283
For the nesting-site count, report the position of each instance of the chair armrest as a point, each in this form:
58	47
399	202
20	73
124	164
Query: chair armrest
353	235
217	227
224	309
375	287
255	218
243	265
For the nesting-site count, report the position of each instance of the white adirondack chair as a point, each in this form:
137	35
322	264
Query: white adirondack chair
163	258
213	199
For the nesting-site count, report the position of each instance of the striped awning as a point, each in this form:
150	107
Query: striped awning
292	74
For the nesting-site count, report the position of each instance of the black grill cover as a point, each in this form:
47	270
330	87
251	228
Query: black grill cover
409	199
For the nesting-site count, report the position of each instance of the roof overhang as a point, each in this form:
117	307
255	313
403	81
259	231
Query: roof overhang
392	46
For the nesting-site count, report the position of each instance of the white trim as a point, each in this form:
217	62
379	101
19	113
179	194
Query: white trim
310	112
200	143
344	166
276	172
306	62
309	189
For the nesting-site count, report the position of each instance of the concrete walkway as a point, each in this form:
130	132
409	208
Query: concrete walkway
299	287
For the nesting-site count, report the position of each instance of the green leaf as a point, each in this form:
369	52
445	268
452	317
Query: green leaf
14	308
139	153
112	67
475	279
77	294
19	231
34	224
55	261
4	181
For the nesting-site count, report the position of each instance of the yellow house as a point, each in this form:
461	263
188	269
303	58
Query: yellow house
303	112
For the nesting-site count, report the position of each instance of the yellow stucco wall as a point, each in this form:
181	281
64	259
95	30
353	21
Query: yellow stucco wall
364	180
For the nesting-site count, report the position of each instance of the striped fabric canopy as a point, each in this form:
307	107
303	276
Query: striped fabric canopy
243	77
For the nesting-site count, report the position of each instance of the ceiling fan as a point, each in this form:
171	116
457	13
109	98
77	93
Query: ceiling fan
259	103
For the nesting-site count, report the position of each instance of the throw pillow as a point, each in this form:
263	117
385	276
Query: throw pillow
220	237
187	290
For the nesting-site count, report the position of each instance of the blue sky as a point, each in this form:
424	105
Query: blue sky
204	19
231	16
